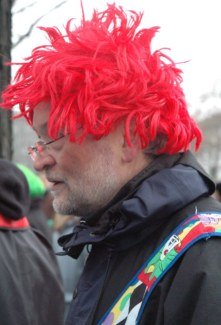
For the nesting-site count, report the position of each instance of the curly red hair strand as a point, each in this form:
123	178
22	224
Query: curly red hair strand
102	73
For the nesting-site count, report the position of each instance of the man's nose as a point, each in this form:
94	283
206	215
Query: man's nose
43	161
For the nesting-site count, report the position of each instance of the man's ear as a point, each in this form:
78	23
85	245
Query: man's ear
130	152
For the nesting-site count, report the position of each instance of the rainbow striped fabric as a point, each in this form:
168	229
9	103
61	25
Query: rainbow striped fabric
128	307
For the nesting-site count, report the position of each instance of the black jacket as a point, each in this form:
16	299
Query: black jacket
30	287
127	232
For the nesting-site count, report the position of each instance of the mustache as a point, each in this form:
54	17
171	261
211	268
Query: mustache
54	178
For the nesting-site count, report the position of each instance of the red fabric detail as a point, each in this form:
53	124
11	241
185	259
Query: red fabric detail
13	224
188	238
144	277
194	233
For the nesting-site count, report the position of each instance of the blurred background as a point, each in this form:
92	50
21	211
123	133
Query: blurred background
190	29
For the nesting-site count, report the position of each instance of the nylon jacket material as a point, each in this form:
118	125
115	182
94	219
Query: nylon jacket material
31	291
30	286
133	225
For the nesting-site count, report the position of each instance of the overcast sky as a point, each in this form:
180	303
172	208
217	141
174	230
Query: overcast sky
191	28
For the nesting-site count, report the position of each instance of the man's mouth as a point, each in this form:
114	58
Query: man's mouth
56	185
53	183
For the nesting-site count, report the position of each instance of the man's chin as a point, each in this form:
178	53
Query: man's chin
59	207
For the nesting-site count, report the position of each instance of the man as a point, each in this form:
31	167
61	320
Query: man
114	135
31	290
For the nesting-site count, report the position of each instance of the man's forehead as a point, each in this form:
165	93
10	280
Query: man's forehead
40	118
41	129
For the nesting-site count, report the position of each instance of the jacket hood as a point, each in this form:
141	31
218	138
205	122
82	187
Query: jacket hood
164	187
14	192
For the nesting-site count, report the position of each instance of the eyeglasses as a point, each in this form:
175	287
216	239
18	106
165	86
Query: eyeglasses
40	146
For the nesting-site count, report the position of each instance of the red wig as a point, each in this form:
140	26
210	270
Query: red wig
100	74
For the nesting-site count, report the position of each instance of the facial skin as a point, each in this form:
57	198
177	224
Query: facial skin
85	177
217	196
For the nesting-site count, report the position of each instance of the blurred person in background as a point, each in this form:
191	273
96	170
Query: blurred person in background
114	134
38	195
31	290
53	225
71	269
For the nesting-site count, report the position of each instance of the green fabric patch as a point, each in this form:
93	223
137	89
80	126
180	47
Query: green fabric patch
35	184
